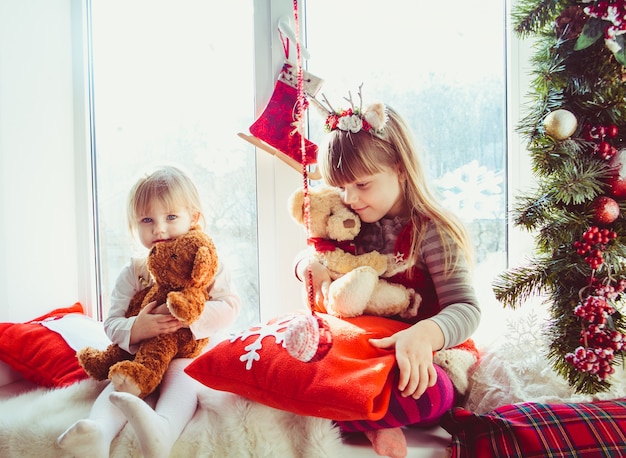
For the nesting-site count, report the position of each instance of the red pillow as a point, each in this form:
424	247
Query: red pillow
594	429
39	354
352	382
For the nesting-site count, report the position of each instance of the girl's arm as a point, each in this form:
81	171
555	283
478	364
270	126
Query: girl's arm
219	311
456	322
222	308
116	326
460	314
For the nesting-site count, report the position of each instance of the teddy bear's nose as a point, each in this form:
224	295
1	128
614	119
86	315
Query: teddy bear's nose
348	223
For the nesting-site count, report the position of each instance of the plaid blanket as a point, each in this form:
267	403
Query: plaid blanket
594	429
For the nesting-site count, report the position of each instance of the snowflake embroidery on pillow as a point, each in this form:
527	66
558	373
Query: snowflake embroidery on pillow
275	329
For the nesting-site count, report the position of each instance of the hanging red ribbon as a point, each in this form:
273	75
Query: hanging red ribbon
285	41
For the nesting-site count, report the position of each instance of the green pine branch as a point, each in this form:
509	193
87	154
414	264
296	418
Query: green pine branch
531	211
577	182
587	79
531	16
517	285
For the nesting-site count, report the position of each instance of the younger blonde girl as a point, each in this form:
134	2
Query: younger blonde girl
162	206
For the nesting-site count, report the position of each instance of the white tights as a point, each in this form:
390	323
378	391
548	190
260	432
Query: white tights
157	430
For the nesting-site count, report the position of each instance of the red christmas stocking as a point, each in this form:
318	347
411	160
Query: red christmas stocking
277	125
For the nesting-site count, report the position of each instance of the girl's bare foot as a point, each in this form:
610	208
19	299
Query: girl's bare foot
388	442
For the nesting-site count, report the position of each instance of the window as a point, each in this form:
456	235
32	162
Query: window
173	83
444	69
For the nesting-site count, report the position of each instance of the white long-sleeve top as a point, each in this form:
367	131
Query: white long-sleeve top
219	312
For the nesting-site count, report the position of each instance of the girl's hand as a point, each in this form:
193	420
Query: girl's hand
150	324
160	310
414	353
321	282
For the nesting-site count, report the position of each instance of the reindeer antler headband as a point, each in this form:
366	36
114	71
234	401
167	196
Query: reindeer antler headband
354	119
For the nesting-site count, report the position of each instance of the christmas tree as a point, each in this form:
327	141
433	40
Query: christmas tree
575	130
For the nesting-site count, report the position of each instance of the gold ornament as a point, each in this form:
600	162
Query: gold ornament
560	124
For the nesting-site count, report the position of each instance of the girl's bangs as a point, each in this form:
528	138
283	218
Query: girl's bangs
350	160
166	195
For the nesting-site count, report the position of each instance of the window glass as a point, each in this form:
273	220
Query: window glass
442	67
173	83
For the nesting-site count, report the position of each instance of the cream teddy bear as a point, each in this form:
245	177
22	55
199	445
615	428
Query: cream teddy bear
357	288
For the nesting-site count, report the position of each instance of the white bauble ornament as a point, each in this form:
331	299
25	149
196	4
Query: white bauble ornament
560	124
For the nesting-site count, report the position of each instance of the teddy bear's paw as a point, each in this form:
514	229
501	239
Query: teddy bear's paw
185	306
377	261
126	384
93	363
389	299
348	295
133	378
414	305
178	306
457	364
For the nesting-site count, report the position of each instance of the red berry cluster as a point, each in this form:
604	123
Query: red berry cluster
611	11
599	342
603	289
594	310
593	243
593	360
600	135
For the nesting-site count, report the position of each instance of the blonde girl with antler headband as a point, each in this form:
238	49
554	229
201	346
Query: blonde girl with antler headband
371	157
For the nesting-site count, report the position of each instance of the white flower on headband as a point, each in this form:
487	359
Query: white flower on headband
350	123
372	120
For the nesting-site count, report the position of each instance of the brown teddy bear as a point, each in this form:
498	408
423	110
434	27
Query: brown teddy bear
357	288
182	271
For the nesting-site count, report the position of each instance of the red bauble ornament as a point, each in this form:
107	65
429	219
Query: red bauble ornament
606	210
618	180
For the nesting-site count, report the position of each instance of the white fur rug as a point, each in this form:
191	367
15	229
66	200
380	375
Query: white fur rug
225	425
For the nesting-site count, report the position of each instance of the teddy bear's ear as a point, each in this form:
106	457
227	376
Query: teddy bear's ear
296	206
204	265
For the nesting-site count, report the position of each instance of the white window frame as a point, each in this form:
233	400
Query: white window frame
279	237
86	238
518	162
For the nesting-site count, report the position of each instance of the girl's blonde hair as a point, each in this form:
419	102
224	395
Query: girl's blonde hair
167	185
349	157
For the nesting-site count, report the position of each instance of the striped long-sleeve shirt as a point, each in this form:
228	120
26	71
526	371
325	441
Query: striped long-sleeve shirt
460	311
